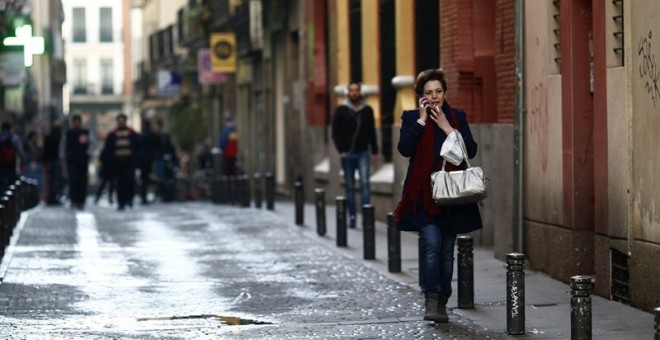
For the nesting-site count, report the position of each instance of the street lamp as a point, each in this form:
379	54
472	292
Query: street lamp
31	45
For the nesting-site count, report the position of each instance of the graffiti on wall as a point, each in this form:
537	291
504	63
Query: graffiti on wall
539	123
648	69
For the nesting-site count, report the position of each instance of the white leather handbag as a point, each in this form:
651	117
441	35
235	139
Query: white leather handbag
460	186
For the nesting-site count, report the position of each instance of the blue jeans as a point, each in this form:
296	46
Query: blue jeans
437	259
360	161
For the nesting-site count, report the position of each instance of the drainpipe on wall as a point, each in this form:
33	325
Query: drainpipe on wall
518	236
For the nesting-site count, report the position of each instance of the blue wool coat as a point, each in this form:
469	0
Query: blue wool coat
461	218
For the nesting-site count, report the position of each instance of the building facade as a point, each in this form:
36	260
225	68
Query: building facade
590	175
98	86
33	71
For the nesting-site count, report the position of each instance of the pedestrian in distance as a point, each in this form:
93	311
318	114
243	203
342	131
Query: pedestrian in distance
76	148
354	136
422	134
121	152
166	162
107	177
33	165
229	145
11	150
53	165
149	142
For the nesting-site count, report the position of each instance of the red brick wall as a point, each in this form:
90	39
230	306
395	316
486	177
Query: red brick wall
481	80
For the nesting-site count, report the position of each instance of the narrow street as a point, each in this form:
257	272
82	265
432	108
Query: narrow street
197	271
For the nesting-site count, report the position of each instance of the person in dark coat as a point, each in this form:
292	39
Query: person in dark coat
354	136
76	148
52	164
149	142
11	150
166	162
121	152
423	132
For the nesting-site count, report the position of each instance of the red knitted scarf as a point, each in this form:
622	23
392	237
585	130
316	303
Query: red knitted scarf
419	181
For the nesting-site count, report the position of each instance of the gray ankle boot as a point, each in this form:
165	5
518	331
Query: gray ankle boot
442	310
431	304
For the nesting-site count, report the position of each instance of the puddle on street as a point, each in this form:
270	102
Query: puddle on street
224	320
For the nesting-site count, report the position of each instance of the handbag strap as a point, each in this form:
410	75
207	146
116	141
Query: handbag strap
462	143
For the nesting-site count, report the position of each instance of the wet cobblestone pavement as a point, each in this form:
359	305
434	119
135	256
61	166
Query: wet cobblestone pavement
179	271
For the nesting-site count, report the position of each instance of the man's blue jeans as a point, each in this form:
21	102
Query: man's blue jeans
437	259
360	161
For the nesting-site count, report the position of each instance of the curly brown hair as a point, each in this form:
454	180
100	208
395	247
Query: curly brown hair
428	75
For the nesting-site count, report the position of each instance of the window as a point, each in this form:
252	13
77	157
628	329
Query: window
105	27
107	84
79	76
79	30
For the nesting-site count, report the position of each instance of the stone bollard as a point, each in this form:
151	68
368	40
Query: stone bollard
580	308
369	232
258	193
319	195
657	323
342	231
465	272
299	202
393	245
270	191
515	295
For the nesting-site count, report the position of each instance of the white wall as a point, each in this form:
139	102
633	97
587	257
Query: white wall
92	50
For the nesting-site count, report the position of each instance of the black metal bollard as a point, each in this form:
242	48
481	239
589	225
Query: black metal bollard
245	191
465	272
215	190
232	199
319	195
4	238
580	308
656	311
11	206
299	201
223	196
258	193
270	191
393	245
369	232
342	231
515	296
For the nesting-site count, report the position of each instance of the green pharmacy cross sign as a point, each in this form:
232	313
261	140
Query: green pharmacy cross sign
31	45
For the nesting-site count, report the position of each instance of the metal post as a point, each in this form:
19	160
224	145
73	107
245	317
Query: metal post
4	238
340	202
299	201
215	190
270	191
515	296
6	219
465	272
232	191
657	323
319	195
258	193
580	308
369	232
223	188
245	191
393	245
11	205
420	246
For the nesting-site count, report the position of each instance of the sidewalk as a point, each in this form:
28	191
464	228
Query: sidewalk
547	301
